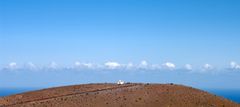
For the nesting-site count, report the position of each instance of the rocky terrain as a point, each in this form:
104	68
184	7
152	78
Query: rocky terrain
114	95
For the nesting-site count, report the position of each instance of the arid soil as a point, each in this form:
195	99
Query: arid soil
113	95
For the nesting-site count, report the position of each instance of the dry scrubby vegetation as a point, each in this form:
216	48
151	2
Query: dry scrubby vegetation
113	95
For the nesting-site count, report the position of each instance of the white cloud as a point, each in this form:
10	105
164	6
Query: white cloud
112	65
77	63
30	65
129	66
53	65
234	65
88	65
143	64
188	67
12	65
169	65
207	67
83	65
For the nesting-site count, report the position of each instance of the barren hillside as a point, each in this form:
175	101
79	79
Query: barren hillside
113	95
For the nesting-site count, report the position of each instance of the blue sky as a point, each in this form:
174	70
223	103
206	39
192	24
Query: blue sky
197	33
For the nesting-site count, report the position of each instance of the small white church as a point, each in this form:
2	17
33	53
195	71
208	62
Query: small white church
120	82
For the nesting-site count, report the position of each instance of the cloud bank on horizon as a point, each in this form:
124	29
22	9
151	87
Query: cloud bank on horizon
53	74
113	65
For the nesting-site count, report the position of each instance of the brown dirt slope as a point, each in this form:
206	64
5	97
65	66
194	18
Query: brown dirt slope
113	95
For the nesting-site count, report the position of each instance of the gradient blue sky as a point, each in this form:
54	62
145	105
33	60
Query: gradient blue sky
180	31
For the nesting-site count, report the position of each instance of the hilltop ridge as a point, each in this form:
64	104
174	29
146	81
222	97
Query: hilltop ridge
114	95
